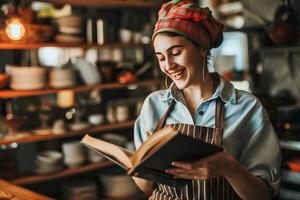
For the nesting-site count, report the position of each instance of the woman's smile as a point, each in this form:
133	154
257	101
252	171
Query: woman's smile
177	74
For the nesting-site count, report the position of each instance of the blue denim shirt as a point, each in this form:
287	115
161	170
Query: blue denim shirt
248	132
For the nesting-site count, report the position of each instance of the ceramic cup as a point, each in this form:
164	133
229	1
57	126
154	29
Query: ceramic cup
74	153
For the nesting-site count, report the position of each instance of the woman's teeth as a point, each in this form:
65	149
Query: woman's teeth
178	74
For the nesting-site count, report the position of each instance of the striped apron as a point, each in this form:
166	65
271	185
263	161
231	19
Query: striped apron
213	189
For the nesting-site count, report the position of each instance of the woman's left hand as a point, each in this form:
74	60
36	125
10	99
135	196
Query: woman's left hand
211	166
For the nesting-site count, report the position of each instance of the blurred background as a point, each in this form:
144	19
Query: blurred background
68	68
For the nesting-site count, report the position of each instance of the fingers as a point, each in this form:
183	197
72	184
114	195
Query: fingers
188	174
184	174
183	165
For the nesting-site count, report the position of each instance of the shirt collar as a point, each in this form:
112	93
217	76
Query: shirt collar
225	91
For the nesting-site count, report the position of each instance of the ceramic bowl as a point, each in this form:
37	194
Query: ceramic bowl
111	185
49	157
96	119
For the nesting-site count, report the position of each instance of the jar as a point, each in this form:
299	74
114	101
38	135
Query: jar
110	114
122	113
138	107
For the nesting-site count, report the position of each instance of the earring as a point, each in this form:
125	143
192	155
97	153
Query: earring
203	70
166	82
203	53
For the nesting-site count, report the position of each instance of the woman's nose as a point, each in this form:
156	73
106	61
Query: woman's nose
169	64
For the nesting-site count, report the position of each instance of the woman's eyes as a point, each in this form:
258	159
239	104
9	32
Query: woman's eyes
175	53
172	53
160	58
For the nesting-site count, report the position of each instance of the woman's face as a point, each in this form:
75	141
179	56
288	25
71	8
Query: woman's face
179	59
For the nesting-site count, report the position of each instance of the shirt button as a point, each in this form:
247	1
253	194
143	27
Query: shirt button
201	112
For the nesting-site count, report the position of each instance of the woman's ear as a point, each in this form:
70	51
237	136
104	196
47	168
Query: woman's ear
203	53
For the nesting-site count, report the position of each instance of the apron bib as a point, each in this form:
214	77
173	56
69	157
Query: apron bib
213	189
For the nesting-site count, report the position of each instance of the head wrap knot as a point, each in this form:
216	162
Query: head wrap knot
188	19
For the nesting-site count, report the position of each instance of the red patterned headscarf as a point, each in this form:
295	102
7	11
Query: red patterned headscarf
186	18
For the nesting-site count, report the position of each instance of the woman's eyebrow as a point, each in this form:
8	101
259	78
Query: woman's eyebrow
171	47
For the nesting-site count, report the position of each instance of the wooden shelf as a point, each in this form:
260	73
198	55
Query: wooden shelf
8	94
26	180
23	46
30	137
108	3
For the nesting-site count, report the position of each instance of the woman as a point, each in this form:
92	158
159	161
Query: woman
249	166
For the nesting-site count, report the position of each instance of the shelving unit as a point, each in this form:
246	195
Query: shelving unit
23	46
33	179
8	94
29	137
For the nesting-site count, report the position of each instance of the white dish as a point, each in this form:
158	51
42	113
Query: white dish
96	119
88	72
62	78
50	157
27	78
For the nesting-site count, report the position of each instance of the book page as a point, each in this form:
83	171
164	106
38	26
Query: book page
109	149
154	141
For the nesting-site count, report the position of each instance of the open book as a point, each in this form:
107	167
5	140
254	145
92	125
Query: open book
155	155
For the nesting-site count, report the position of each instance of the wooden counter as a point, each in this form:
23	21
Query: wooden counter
10	191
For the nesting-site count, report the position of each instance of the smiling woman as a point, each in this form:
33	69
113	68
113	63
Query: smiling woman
249	166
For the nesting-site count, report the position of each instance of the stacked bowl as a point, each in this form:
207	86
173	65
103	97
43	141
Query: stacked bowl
74	153
70	29
48	162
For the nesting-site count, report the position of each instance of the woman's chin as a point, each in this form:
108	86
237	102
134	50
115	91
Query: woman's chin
181	84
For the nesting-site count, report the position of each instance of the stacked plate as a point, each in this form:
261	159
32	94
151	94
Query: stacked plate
27	78
111	184
80	190
62	78
70	29
48	162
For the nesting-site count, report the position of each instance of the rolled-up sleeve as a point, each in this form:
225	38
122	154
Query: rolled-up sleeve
138	133
146	121
261	153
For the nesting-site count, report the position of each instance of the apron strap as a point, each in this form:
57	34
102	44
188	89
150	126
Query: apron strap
219	113
162	120
218	130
